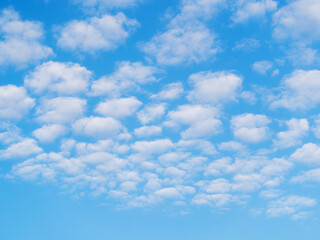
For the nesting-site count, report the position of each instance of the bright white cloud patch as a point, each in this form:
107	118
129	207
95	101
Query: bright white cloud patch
106	4
105	33
308	154
262	67
214	87
250	128
24	148
299	91
20	42
49	133
56	77
14	102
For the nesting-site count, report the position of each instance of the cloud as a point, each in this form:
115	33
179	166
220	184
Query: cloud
49	133
215	87
60	109
307	176
248	9
14	102
60	78
299	91
309	153
147	131
94	34
298	20
262	67
151	112
118	108
20	43
24	148
127	76
289	205
298	128
106	4
153	147
247	44
250	128
97	127
170	91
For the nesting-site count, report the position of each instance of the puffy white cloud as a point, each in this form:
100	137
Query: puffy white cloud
126	76
118	108
299	91
214	87
168	193
61	78
49	133
246	9
309	154
151	113
147	131
24	148
105	33
250	128
169	92
61	109
307	176
202	120
232	146
20	40
298	20
14	102
218	200
298	128
182	45
289	205
262	67
153	147
97	127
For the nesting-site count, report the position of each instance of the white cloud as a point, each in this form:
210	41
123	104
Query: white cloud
118	108
247	44
299	91
202	120
61	109
147	131
20	40
182	45
153	147
97	127
14	102
151	113
61	78
214	87
250	128
298	128
298	20
247	9
309	154
49	133
262	67
126	76
169	92
105	33
24	148
289	205
232	146
307	176
168	193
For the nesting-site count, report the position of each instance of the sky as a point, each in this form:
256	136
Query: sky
153	120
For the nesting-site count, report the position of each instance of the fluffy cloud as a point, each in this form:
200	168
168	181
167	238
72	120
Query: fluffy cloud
20	40
14	102
118	108
246	9
153	147
250	128
61	109
49	133
215	87
298	128
24	148
299	91
262	67
97	127
105	33
309	154
106	4
126	76
61	78
307	176
151	113
298	20
169	92
147	131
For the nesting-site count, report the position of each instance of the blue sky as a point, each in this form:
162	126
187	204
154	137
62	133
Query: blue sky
144	119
